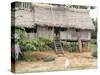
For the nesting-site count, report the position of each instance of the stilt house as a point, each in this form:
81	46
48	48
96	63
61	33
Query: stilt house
53	21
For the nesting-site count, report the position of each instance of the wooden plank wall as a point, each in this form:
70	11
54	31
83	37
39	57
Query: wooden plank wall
44	32
71	34
31	35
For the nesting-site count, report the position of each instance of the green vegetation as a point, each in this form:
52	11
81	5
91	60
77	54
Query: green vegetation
41	44
93	47
33	44
94	39
94	50
94	32
71	47
27	56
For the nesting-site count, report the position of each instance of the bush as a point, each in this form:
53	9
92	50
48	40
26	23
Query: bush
27	56
94	53
20	35
34	44
51	45
41	43
94	50
94	41
72	47
27	45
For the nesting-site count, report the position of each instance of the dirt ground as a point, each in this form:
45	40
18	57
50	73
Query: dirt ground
71	61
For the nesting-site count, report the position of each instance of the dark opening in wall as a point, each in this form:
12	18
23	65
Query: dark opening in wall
16	4
63	29
77	30
49	28
13	5
13	28
35	30
29	30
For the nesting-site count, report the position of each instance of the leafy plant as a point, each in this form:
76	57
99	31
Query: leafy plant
94	50
94	53
20	35
35	44
72	47
41	43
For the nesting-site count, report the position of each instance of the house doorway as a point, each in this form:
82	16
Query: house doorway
57	32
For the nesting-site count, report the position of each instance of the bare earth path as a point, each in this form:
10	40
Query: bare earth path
82	60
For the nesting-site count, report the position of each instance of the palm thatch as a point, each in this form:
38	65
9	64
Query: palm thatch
56	16
23	18
63	17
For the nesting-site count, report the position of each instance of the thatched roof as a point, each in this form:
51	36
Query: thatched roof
56	16
63	17
23	18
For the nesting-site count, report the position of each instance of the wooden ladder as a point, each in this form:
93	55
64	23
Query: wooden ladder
58	47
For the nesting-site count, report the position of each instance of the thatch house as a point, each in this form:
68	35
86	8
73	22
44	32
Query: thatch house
51	20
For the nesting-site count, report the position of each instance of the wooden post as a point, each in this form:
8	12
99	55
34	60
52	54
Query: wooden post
80	45
53	35
79	41
88	43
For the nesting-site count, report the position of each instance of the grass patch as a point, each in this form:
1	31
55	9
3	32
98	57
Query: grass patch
27	56
37	56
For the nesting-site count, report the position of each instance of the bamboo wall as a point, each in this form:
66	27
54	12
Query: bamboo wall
31	35
44	32
69	34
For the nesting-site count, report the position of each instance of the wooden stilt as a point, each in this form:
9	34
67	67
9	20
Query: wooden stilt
79	42
88	45
80	45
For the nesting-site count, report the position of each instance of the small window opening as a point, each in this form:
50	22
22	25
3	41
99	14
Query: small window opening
49	28
77	30
29	30
63	29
